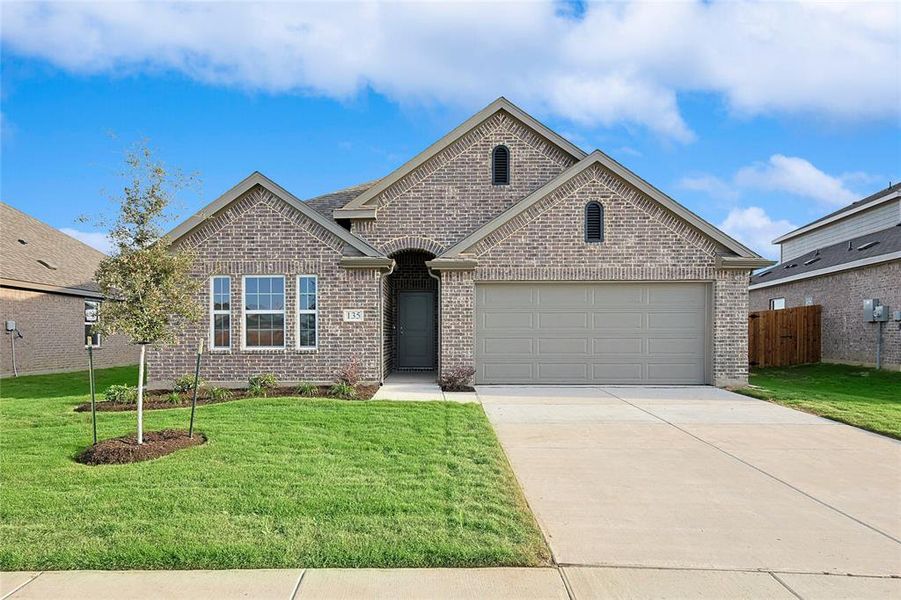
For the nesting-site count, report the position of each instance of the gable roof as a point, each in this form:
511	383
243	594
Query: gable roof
890	193
598	157
327	203
257	178
48	260
848	254
360	207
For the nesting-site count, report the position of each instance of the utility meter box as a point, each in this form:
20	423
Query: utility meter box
881	313
10	325
869	309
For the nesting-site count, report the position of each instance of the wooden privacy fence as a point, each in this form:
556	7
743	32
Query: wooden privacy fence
778	338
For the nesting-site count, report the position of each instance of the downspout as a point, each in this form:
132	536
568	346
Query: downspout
382	278
438	279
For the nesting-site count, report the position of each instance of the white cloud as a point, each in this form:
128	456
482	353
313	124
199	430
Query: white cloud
796	176
94	239
756	229
710	185
616	64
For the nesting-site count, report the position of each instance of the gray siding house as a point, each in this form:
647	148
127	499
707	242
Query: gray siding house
838	261
502	247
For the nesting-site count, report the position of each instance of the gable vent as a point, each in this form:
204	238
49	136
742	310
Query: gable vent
594	222
500	166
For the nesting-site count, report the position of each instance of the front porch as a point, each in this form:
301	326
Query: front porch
411	318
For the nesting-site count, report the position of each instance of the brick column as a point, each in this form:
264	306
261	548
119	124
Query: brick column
457	319
730	328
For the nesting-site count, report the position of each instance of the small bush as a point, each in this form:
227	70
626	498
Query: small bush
218	394
259	385
457	379
305	388
185	383
173	397
343	390
124	394
350	372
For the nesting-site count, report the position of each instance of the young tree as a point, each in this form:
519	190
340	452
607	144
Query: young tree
147	280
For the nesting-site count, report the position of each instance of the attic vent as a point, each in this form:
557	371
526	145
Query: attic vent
594	222
23	242
791	265
867	245
764	274
49	265
812	260
500	166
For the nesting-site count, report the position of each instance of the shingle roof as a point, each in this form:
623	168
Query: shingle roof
38	256
326	203
887	241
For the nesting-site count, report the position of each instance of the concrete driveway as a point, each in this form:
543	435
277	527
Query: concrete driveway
704	491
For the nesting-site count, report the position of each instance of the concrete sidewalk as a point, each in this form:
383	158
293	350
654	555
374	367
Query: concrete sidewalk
437	584
419	387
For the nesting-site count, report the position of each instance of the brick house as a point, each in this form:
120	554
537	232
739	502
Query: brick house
47	288
501	247
838	261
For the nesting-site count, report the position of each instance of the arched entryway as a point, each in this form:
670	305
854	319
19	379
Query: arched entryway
411	314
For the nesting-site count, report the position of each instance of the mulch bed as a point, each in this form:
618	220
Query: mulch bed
457	388
158	400
125	449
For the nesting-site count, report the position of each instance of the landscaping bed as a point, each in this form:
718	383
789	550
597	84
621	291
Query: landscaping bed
280	483
160	399
858	396
126	449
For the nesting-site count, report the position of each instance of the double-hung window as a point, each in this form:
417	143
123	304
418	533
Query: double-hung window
91	317
220	313
307	311
264	312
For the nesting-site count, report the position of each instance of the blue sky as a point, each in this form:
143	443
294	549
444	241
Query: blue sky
754	140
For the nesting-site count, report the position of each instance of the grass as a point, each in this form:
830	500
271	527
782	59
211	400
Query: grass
283	482
858	396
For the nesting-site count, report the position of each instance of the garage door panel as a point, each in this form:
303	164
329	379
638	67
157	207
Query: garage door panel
617	320
592	333
614	346
562	320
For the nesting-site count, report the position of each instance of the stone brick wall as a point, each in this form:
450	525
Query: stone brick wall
451	195
846	337
52	326
259	234
642	242
457	319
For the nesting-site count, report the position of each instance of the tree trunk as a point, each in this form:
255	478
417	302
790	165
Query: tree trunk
141	396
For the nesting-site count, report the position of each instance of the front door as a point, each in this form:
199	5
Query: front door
415	330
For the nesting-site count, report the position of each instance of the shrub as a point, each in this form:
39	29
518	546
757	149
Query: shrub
259	385
185	383
350	372
305	388
457	379
218	394
343	390
173	397
124	394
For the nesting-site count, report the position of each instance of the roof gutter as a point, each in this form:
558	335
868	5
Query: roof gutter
53	289
742	262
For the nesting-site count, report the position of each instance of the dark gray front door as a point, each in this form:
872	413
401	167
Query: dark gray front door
415	330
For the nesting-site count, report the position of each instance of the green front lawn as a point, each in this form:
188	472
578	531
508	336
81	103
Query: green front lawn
859	396
282	482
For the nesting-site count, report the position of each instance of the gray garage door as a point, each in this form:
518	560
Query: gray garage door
592	333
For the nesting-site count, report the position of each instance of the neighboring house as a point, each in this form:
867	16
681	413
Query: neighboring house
838	261
47	288
501	247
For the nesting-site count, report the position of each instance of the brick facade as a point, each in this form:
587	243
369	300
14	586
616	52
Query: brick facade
846	337
52	326
260	234
436	205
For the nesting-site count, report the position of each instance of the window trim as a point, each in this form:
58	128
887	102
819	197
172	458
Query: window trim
494	165
588	205
86	323
245	312
307	311
214	312
773	301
